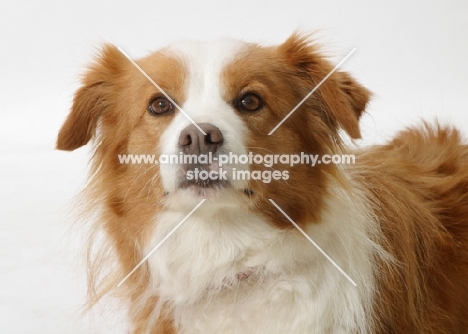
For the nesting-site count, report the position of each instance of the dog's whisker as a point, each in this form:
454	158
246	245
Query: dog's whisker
136	179
147	181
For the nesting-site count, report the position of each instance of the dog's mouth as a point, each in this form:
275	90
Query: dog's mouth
204	180
203	190
202	176
204	184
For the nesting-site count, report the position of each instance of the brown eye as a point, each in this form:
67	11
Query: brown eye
160	105
250	103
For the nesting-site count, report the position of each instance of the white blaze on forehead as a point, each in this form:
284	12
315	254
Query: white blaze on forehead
205	102
205	63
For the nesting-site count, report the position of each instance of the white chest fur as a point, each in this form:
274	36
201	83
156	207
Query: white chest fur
228	271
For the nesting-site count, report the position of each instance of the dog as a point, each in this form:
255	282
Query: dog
386	244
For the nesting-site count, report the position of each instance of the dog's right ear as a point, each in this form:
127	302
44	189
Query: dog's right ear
343	98
92	99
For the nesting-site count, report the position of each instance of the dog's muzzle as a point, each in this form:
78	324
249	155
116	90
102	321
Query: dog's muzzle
198	172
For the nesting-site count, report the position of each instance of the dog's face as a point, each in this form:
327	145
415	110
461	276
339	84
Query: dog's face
238	264
232	95
218	99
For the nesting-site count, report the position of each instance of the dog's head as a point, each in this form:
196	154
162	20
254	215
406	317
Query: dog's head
220	100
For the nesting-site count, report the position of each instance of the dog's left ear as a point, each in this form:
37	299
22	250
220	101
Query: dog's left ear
92	100
343	98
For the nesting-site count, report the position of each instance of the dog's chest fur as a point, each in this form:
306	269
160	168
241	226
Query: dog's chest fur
231	272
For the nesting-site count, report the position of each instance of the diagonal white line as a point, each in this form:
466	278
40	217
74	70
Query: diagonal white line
162	91
313	242
313	90
92	176
97	170
161	242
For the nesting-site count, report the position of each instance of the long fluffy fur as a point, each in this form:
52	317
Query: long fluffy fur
396	221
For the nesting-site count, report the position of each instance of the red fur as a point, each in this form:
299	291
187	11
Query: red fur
417	185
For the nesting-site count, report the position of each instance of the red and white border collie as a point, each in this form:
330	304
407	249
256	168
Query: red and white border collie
395	221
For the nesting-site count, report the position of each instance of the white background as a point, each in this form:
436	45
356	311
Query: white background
411	54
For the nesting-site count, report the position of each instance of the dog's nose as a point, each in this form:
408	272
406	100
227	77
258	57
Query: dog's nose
193	141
